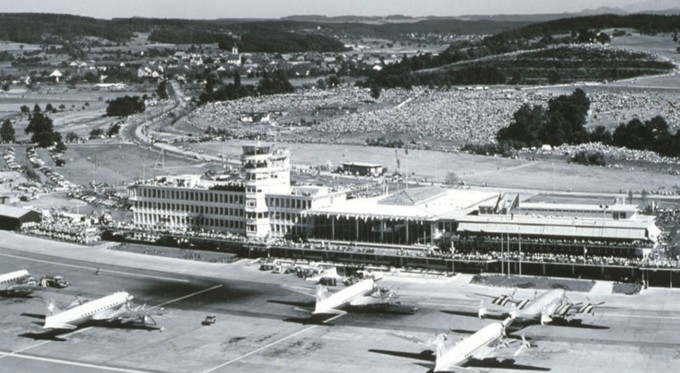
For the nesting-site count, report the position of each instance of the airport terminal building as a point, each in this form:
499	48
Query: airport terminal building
261	204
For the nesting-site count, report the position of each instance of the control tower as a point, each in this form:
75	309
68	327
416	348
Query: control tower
266	171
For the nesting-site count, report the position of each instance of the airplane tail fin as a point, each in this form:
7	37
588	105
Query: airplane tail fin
321	293
440	345
52	308
76	302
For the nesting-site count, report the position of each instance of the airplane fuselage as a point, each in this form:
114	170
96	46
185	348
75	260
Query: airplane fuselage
466	349
535	308
17	282
344	297
96	309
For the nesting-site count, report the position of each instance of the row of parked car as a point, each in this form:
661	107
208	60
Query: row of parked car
56	177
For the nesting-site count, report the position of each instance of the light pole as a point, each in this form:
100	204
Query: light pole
519	234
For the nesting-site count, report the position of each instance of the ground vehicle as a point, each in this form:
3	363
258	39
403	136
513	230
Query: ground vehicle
53	282
209	320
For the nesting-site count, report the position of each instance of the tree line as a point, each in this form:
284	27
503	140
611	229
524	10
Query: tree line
534	36
270	84
645	23
563	122
124	106
282	42
36	28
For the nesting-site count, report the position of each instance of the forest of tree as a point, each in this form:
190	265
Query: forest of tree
645	23
653	134
7	131
124	106
37	28
282	42
270	84
42	130
586	65
562	122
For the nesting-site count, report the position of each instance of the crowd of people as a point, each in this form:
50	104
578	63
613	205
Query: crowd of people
294	106
487	255
64	230
449	117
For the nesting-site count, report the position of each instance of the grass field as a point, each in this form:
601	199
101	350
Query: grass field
526	282
120	164
548	175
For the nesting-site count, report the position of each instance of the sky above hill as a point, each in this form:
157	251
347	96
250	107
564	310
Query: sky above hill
211	9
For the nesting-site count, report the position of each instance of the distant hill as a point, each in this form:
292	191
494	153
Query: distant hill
36	28
653	6
645	23
356	19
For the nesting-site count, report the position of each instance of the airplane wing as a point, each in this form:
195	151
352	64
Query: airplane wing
331	312
425	355
501	300
366	300
109	314
508	348
568	309
499	363
63	326
493	311
20	289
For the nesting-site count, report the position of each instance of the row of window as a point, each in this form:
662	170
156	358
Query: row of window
478	347
193	195
211	210
287	216
152	219
238	224
92	312
289	203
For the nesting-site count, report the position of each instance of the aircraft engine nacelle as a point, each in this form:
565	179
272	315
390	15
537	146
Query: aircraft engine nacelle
523	304
546	319
587	308
502	300
546	315
562	310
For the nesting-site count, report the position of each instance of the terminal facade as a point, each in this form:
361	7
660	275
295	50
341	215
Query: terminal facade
261	204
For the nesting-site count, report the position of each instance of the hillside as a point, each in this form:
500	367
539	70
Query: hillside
499	58
253	36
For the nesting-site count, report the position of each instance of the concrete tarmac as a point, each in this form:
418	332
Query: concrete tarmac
259	329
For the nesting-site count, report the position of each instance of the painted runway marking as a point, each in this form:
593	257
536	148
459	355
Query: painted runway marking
13	353
448	305
75	363
95	268
640	316
186	296
269	345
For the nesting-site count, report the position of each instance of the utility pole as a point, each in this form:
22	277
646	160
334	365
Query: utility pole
519	229
502	261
